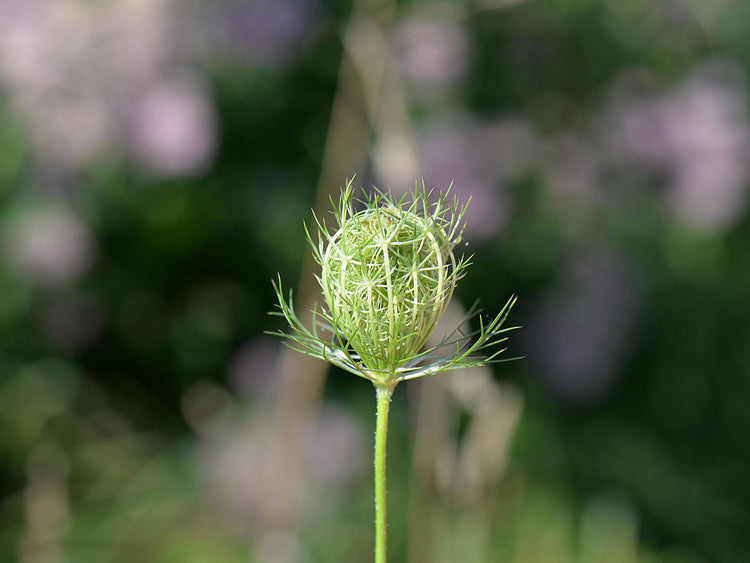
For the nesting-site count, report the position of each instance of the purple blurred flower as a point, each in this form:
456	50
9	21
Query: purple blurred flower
268	32
448	153
580	334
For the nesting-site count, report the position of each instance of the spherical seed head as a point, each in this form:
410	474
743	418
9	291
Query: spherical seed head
387	276
388	273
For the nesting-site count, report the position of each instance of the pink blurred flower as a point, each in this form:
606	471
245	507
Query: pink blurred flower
432	55
338	450
696	136
173	127
50	246
707	123
234	460
72	69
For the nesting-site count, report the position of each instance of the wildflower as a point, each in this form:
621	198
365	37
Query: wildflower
387	275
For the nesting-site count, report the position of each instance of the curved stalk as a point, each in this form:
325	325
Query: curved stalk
383	394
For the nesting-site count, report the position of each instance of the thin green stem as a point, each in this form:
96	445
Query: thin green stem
383	393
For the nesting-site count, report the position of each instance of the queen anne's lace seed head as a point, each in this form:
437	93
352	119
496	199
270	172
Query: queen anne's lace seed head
387	279
387	275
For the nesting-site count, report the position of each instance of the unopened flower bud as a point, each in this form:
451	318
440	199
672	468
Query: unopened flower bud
387	279
387	274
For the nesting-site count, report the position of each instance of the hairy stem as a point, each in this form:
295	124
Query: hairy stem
383	394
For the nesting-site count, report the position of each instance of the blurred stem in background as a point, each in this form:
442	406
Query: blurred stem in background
302	379
457	476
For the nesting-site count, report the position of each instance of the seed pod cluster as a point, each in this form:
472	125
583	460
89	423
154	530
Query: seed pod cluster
388	274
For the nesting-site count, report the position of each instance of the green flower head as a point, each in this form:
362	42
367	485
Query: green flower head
387	274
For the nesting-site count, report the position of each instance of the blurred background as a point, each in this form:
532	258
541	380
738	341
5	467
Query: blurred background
157	161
